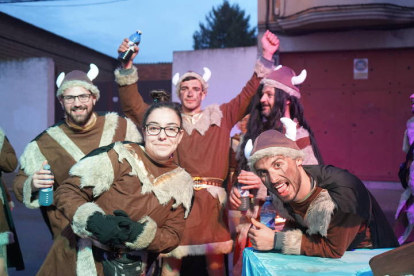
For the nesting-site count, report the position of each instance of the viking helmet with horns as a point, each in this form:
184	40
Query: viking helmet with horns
203	79
285	79
78	78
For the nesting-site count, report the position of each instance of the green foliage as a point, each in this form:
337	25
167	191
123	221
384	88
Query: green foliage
226	27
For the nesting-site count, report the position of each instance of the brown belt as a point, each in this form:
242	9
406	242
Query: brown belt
198	181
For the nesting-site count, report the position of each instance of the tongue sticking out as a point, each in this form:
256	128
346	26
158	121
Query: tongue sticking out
282	188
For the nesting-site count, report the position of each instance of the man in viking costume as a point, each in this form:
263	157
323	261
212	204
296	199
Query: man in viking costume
327	210
203	153
65	143
276	103
10	253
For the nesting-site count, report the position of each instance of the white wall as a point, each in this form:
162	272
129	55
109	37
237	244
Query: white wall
27	99
231	68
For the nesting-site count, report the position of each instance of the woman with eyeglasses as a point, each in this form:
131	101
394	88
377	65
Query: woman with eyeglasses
128	202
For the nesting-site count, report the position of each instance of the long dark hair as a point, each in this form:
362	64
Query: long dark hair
259	123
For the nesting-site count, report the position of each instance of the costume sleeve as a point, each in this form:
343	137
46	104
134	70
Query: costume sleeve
341	232
8	159
132	103
30	161
168	236
236	109
89	178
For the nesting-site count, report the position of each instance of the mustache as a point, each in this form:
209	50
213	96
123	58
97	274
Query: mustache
78	108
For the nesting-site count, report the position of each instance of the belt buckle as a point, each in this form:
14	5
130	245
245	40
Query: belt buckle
197	183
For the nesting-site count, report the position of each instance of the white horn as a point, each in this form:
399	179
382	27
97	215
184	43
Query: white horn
278	67
60	79
176	78
299	79
93	72
207	74
290	127
248	148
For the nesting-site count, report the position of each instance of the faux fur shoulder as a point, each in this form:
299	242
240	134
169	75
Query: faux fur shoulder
212	115
100	177
319	214
176	184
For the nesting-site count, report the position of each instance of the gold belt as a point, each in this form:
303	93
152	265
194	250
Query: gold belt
198	181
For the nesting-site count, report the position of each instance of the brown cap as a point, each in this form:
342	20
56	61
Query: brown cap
273	143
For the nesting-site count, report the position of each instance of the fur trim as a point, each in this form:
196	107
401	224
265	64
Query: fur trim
318	216
211	116
100	177
176	184
85	263
411	177
126	79
274	151
406	143
78	83
2	135
276	84
110	126
147	235
27	194
309	158
292	242
191	74
81	216
410	131
409	228
132	133
217	192
65	142
261	70
403	200
201	249
6	238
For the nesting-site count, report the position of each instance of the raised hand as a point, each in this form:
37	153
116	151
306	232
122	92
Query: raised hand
123	48
270	44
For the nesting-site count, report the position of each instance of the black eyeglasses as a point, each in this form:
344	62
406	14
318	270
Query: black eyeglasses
170	131
83	98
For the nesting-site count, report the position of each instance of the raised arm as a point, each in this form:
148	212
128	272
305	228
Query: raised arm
235	110
126	76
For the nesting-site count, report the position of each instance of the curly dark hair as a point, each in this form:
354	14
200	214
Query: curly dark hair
258	123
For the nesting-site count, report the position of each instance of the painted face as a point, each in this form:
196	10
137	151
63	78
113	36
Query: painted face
267	100
191	95
281	176
80	110
160	146
412	103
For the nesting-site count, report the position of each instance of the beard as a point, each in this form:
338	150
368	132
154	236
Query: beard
79	119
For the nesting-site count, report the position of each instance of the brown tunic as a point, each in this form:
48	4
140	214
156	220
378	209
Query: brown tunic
342	230
126	179
62	147
203	152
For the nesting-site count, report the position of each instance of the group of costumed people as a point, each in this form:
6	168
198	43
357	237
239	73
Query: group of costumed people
119	206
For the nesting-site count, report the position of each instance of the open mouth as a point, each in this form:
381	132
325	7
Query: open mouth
282	188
